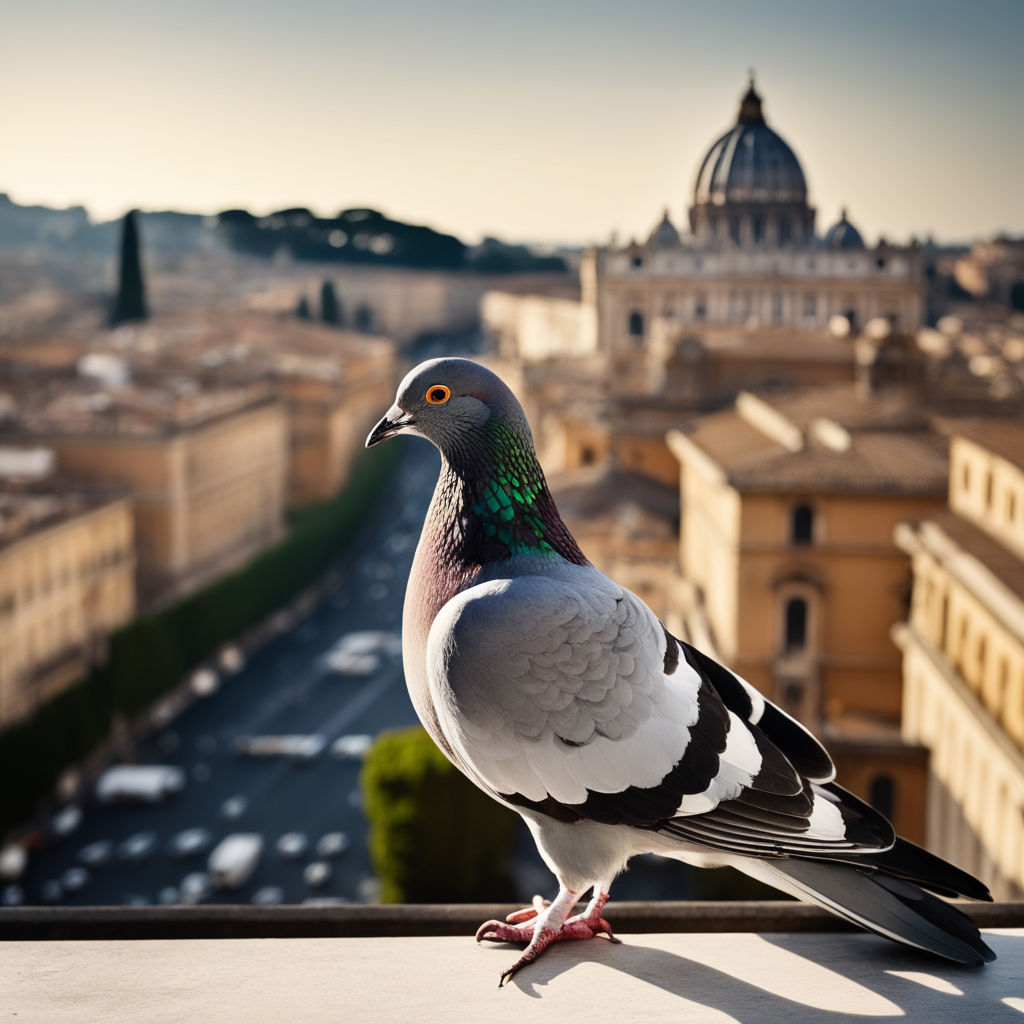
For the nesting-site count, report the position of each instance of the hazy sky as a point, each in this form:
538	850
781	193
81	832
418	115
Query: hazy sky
556	121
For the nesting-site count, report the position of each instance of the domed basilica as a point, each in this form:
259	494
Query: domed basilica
751	256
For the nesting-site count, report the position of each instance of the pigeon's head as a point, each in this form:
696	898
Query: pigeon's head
450	402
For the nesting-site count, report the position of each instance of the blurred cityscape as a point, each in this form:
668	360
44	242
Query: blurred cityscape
804	448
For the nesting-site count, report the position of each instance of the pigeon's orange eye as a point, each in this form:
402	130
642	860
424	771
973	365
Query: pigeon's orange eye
438	394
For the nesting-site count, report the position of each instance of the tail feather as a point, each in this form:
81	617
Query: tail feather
886	905
908	861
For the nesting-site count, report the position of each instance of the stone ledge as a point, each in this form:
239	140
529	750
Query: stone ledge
221	921
683	978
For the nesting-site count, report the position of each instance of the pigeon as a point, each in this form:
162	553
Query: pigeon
563	696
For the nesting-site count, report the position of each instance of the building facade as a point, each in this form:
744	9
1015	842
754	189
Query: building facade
67	580
750	257
790	573
206	468
963	656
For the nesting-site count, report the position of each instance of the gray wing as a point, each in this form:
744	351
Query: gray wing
565	693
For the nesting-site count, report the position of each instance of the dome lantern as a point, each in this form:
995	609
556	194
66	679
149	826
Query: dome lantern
750	106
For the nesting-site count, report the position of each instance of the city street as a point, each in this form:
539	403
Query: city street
285	689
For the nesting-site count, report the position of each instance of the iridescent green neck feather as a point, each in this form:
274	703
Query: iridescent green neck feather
495	496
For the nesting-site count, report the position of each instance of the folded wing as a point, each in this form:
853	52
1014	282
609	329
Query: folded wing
563	693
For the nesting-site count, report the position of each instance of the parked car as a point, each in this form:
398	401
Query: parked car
189	842
234	859
139	783
292	845
360	653
268	896
332	844
301	748
234	807
195	887
13	860
74	879
317	874
353	747
65	821
137	847
96	853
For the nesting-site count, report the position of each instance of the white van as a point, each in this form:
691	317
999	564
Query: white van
234	859
145	783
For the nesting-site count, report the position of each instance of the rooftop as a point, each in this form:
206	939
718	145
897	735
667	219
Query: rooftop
62	406
1004	438
27	507
999	560
823	438
748	962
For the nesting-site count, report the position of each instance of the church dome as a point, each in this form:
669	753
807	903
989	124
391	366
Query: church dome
843	235
750	188
750	163
664	235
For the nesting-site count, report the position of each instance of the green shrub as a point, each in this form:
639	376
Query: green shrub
434	837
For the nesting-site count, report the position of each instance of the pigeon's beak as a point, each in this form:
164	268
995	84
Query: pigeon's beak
394	421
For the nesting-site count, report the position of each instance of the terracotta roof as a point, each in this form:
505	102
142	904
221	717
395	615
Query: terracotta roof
886	409
874	463
880	457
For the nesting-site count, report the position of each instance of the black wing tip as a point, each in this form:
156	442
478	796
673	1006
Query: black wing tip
909	861
810	758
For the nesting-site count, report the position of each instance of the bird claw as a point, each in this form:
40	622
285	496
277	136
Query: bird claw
523	926
575	928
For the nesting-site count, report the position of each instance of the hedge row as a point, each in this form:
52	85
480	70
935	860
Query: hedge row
150	655
434	837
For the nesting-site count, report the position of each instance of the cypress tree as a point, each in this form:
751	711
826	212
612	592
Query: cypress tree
329	311
302	309
131	291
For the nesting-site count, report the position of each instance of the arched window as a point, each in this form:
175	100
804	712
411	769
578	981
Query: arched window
636	324
796	624
801	527
882	795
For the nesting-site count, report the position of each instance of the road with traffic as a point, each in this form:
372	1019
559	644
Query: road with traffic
130	853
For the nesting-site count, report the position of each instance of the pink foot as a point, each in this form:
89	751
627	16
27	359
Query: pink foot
530	925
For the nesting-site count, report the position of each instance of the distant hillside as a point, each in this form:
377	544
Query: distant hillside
353	236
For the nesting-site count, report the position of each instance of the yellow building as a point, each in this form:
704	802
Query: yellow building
67	566
788	506
332	383
206	468
963	656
